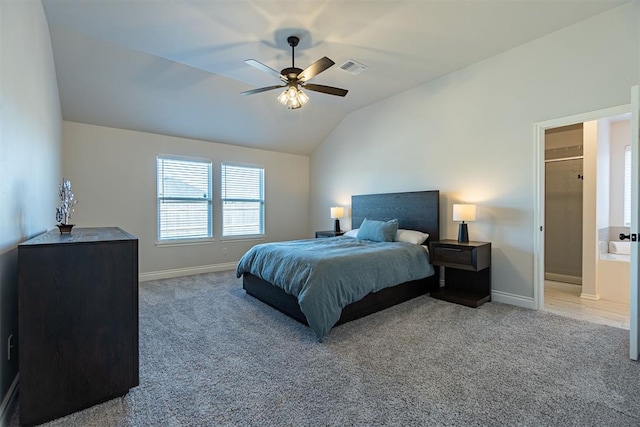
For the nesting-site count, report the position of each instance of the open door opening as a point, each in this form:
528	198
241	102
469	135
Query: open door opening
599	122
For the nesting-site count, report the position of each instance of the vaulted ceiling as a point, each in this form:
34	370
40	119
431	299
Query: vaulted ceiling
176	67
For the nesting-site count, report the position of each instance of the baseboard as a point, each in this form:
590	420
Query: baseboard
517	300
591	297
564	278
8	402
189	271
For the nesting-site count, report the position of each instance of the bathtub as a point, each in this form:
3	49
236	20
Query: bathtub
613	271
620	248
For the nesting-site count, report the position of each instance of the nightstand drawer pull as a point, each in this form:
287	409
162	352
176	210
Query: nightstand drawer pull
452	249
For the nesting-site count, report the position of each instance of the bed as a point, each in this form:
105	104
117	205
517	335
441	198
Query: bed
414	211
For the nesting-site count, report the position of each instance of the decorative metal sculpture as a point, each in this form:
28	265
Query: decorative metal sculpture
63	213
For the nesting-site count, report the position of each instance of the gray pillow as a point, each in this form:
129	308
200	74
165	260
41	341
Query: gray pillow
378	231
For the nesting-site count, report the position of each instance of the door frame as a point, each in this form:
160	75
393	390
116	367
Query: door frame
539	129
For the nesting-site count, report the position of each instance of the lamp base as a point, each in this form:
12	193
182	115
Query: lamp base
336	226
463	233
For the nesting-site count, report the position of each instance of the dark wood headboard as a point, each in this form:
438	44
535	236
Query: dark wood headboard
418	210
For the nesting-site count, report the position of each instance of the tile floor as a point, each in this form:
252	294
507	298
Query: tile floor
564	299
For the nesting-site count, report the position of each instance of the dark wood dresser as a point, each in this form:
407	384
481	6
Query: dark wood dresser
78	320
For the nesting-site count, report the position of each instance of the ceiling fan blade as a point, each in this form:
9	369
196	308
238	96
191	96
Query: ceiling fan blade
260	66
314	69
262	89
326	89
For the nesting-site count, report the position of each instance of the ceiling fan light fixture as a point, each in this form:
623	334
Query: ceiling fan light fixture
294	104
283	97
293	98
292	92
289	98
302	97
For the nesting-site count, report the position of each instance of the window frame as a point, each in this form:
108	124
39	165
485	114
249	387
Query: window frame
178	241
262	233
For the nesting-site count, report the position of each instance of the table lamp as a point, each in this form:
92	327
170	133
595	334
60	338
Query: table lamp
463	212
337	212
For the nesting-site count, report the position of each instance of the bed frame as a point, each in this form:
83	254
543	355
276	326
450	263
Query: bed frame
418	210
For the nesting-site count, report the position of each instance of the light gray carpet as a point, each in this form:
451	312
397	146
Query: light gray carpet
212	355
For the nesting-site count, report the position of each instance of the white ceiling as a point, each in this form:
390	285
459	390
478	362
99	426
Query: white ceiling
176	67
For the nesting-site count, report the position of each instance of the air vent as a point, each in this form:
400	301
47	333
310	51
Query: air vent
353	67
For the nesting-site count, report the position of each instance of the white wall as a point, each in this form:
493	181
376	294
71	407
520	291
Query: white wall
30	144
113	175
591	209
603	175
469	134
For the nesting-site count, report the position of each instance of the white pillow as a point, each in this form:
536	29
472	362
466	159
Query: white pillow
411	236
352	233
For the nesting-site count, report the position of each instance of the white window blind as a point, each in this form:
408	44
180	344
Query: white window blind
627	186
184	199
242	200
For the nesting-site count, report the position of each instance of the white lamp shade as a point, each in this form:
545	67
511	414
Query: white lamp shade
464	212
337	212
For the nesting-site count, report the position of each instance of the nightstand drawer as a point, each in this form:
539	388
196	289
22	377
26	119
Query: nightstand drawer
470	256
453	255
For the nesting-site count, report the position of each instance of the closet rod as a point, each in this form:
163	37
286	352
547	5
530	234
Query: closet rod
564	159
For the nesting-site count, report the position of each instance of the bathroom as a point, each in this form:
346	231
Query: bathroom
587	208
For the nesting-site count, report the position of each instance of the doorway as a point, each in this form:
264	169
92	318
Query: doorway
559	265
564	177
563	204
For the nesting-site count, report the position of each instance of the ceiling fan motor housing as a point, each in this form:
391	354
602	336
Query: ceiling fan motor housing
291	73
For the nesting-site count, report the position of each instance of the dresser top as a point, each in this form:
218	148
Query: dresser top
79	235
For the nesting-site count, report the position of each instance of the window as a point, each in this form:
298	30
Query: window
627	186
242	200
184	199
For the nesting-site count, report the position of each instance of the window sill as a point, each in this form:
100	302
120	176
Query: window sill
240	238
183	242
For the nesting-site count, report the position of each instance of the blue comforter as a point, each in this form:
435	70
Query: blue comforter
328	274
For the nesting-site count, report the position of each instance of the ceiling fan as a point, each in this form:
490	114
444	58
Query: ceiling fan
295	78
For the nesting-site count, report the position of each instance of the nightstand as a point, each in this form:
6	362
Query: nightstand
467	275
328	233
